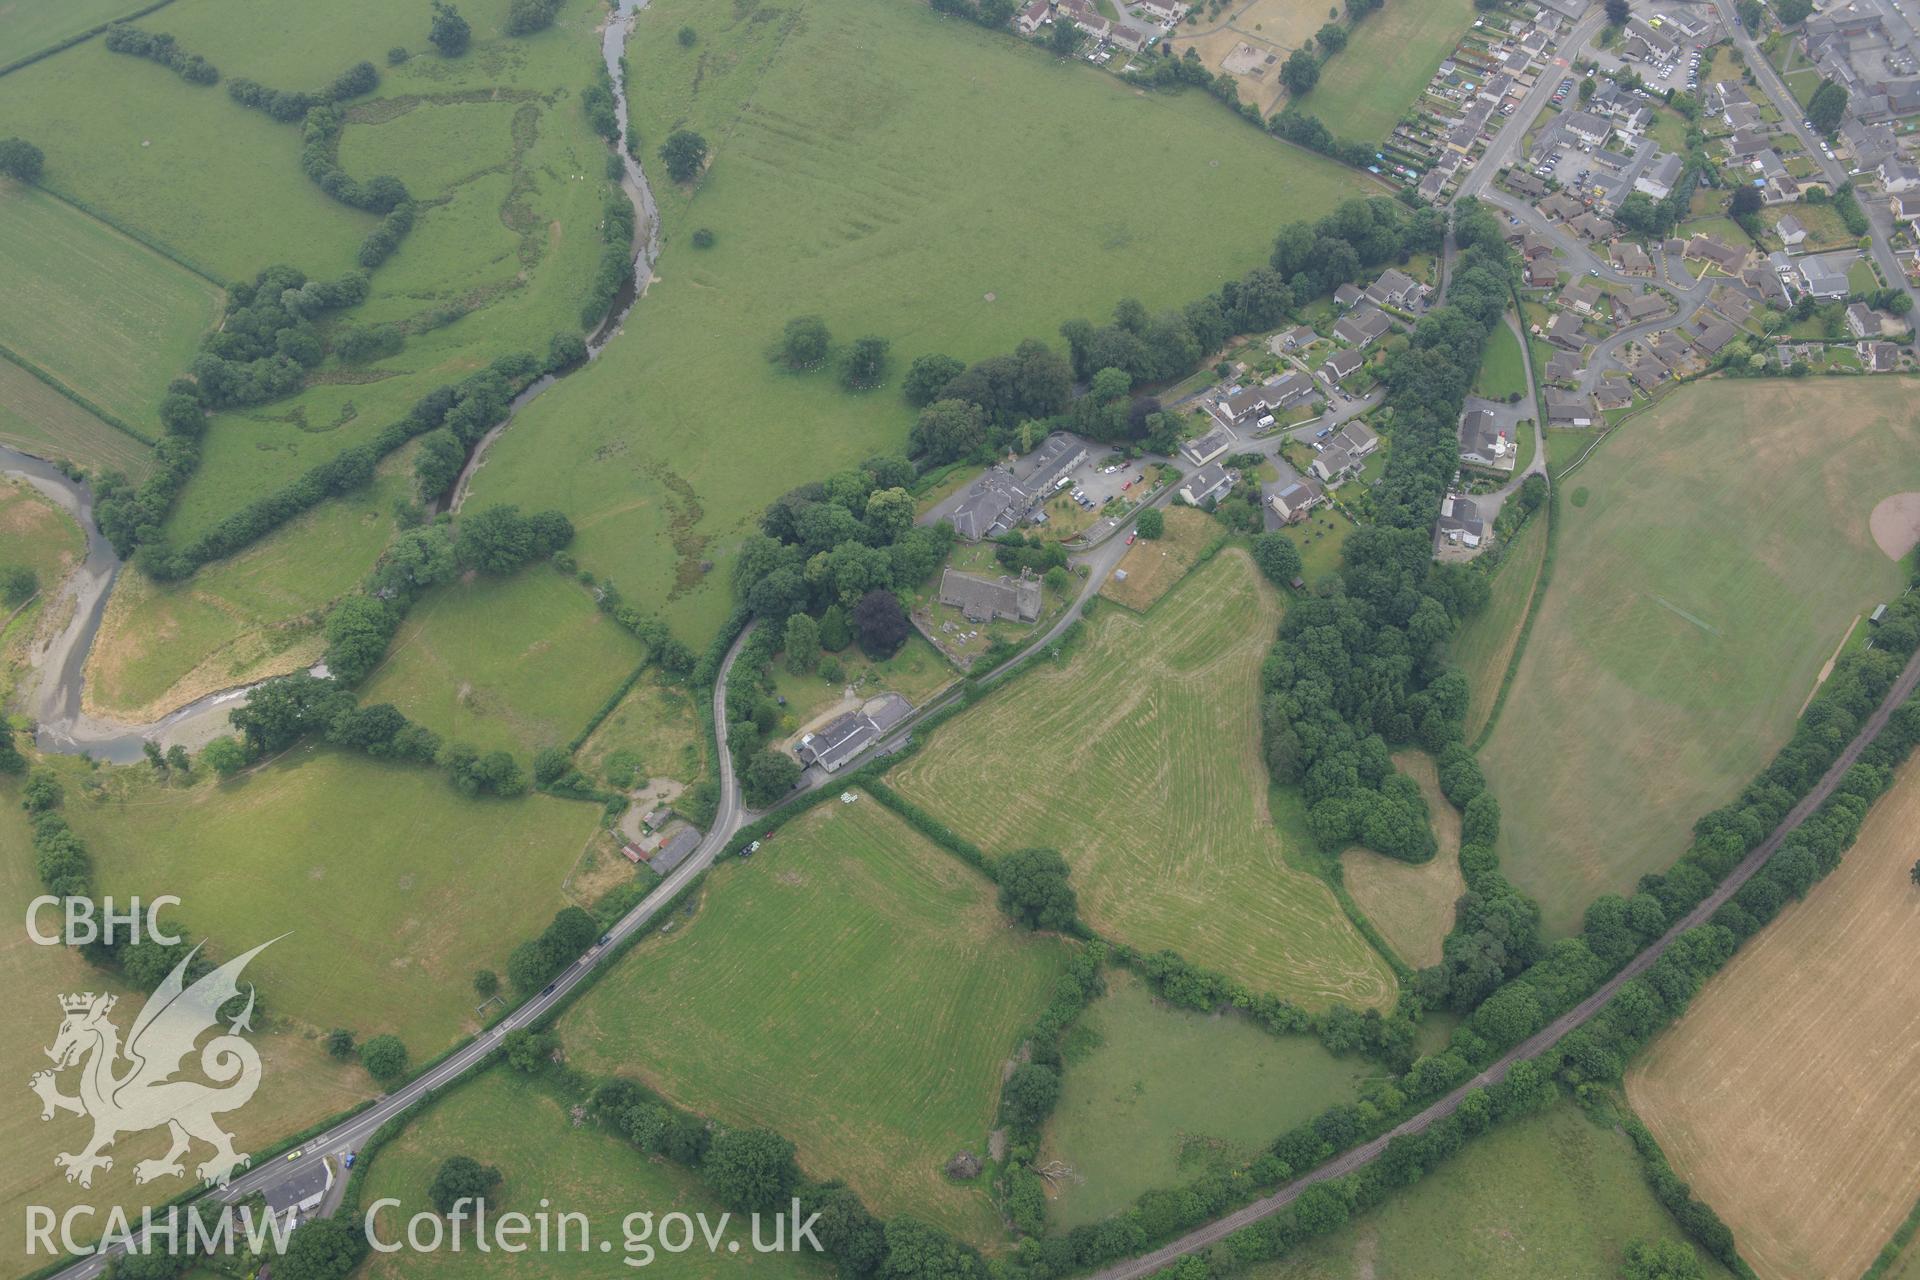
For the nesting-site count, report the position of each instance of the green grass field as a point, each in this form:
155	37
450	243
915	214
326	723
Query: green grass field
1483	648
1503	372
1552	1195
520	662
1722	551
847	147
258	614
522	1129
28	26
104	314
1366	88
396	888
299	1083
853	987
1155	1095
656	722
36	535
39	420
1139	760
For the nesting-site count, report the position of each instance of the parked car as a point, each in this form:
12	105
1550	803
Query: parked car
1130	538
1127	485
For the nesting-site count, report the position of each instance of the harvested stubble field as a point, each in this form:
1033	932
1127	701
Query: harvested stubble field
846	136
1153	565
500	1118
1139	760
1786	1095
105	315
395	886
299	1083
1722	552
1154	1095
851	986
1412	905
519	663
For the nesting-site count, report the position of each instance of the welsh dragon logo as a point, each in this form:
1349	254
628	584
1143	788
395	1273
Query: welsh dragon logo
132	1088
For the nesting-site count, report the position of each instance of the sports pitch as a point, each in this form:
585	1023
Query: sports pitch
1724	550
1139	760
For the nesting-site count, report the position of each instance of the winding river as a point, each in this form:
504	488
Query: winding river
54	693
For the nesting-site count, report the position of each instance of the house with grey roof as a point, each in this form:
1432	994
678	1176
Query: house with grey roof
1792	232
677	849
833	746
1824	277
1209	484
1217	441
1485	443
1395	288
1363	326
1460	524
1568	409
1347	295
1564	331
1291	502
1658	179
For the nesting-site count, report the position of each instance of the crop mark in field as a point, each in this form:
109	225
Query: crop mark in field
684	513
1671	607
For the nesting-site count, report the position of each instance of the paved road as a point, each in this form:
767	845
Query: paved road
350	1134
1579	1015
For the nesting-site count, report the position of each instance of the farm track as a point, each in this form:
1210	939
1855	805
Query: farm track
1533	1046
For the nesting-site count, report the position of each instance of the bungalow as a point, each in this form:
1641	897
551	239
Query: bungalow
1641	306
1582	297
1209	483
304	1192
1904	207
1591	226
1485	443
1723	256
1561	206
1745	144
1433	185
1658	179
1292	340
1769	286
1340	366
1878	357
1565	409
1714	337
1365	326
1741	115
1460	523
1823	279
1542	274
1564	331
1395	288
1630	259
1217	441
1293	501
1790	230
1612	395
1523	183
1347	295
1565	367
1534	245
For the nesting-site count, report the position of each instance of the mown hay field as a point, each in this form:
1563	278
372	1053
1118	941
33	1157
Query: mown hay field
1412	904
396	888
1138	758
502	1119
258	614
1484	646
36	419
1155	1095
1154	565
105	315
1786	1094
1722	551
299	1083
1553	1195
1366	88
851	986
520	662
848	139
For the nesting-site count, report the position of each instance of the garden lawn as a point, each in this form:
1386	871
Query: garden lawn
258	614
103	314
851	986
1154	565
1503	372
1722	550
848	146
1367	87
37	419
1139	759
1551	1195
300	1085
523	1129
1154	1096
395	887
520	662
1484	646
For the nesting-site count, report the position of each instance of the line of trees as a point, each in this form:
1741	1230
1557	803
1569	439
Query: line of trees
616	259
288	106
157	46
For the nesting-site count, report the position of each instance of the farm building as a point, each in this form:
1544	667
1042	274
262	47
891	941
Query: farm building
676	850
838	742
983	600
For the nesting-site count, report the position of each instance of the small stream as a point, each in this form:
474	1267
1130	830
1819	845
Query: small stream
54	696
